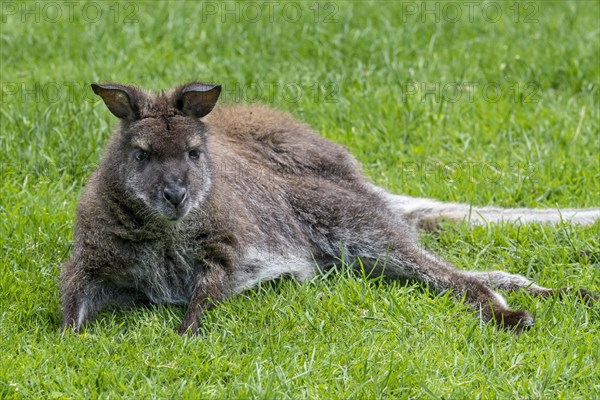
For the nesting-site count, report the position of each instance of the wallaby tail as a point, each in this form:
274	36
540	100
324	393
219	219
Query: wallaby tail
428	213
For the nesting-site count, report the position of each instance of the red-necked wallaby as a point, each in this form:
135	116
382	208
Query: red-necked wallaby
166	218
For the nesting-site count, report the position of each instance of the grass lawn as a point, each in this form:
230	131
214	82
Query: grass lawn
485	103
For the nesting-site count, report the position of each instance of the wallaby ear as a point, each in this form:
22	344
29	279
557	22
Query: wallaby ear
120	99
197	99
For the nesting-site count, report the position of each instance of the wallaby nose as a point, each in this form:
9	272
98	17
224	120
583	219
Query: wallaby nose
175	194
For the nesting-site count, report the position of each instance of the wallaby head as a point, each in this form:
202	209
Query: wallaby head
158	156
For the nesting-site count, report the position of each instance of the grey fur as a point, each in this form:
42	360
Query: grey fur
190	207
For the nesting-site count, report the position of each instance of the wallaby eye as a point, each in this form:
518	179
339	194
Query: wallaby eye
194	154
141	155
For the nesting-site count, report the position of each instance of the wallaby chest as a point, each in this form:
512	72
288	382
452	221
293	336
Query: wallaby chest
164	270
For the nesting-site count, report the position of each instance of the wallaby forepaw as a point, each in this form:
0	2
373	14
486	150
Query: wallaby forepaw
516	321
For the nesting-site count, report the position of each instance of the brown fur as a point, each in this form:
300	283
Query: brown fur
190	207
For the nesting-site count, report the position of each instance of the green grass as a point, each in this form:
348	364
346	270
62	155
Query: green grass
337	336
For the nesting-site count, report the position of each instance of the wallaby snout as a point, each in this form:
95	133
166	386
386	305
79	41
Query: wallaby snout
175	194
169	191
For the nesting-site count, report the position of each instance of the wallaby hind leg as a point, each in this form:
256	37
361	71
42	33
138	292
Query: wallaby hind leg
442	276
405	260
381	239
